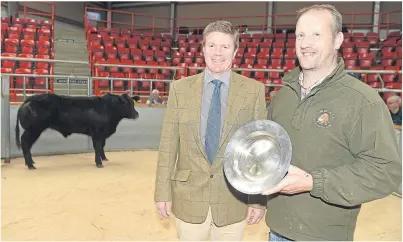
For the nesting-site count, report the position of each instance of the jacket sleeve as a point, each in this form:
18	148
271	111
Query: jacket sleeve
376	170
168	149
260	113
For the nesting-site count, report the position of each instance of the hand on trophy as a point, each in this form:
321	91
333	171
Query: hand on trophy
296	181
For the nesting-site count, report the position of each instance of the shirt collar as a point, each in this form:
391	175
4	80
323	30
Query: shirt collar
225	77
301	79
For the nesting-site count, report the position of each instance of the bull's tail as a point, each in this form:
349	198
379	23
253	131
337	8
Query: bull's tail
17	133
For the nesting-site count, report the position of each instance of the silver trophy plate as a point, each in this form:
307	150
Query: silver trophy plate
257	156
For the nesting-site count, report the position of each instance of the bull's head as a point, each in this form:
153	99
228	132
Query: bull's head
129	106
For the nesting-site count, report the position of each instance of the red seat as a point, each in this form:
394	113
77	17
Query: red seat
137	54
375	84
113	62
194	47
182	72
103	83
124	53
390	77
393	85
199	58
100	61
134	83
14	32
246	73
165	72
25	64
6	70
188	57
289	62
365	60
27	46
155	44
117	83
152	70
126	32
144	44
159	56
29	33
362	47
111	52
193	71
177	58
40	82
290	53
133	43
11	45
148	55
290	43
288	67
127	62
145	84
347	47
372	38
43	47
350	59
120	42
277	53
278	44
276	62
158	84
8	63
249	58
21	79
260	74
140	70
373	77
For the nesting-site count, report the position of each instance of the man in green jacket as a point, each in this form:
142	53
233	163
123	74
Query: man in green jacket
345	151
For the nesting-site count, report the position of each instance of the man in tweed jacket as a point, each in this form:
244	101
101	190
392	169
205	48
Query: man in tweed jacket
190	183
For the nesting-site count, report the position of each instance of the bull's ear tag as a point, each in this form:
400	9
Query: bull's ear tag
134	103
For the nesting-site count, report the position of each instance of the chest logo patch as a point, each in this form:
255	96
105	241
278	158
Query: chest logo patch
324	119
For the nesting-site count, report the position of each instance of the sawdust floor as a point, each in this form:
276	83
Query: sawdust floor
68	198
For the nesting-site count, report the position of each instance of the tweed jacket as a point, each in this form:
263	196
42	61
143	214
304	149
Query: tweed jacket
184	174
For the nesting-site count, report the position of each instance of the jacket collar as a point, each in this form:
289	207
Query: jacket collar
292	78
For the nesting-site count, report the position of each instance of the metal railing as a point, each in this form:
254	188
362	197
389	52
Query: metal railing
50	78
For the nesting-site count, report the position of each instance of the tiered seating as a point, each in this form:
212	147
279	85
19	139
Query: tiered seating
257	50
388	58
27	38
122	46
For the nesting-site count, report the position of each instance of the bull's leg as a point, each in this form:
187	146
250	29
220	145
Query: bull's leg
102	150
97	144
28	138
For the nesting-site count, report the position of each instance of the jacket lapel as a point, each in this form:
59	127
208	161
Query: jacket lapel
236	97
194	109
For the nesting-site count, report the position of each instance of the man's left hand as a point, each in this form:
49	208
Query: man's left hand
296	181
254	215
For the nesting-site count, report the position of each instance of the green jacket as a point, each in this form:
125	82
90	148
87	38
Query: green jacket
342	134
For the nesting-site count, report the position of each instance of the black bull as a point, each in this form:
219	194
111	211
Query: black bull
96	117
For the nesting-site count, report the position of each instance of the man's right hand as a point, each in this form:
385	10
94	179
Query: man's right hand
164	208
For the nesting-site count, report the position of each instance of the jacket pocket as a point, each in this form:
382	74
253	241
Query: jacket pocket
180	175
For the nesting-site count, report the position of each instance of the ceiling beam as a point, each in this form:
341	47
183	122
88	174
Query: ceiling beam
138	4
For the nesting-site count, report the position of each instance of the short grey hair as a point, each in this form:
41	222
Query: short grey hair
337	18
223	27
394	98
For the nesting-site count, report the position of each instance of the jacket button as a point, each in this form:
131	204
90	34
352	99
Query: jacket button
211	176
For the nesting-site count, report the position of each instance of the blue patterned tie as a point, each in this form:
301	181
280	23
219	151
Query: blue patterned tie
213	123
